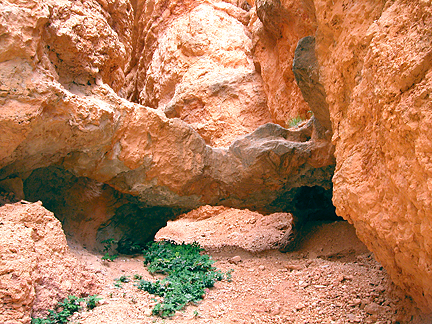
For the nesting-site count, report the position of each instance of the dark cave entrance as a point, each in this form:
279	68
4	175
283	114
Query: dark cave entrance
307	203
91	212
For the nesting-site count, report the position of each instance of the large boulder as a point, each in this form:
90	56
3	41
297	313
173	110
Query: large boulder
201	69
36	268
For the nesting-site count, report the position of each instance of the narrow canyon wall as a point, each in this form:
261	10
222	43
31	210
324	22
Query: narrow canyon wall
276	27
146	100
376	65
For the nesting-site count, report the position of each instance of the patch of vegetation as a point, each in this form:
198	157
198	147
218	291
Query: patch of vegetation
92	301
108	249
295	121
65	309
189	275
123	279
130	247
119	281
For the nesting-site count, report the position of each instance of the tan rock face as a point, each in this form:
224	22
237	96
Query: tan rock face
276	27
377	70
36	268
201	70
67	68
246	229
62	108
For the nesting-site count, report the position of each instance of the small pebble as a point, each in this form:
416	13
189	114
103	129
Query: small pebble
373	309
299	306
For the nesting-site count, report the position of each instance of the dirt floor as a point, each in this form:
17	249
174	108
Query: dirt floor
330	278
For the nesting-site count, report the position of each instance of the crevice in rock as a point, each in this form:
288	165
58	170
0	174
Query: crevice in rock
307	203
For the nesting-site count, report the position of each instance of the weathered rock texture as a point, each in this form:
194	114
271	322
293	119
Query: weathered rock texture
307	74
276	28
199	68
73	76
36	268
229	227
376	61
60	85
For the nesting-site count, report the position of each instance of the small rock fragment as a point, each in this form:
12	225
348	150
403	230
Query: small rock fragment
292	267
373	309
299	306
235	260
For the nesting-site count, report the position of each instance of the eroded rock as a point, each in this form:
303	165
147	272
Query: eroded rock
276	28
36	267
306	71
229	228
201	70
376	68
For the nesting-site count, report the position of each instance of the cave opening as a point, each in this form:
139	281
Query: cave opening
283	225
91	212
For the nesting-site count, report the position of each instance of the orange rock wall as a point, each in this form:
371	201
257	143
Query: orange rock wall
36	268
275	37
67	68
376	62
194	62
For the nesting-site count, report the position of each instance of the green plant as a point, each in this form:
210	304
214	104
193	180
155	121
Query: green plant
65	309
108	257
228	275
92	301
295	121
123	279
118	281
189	275
108	247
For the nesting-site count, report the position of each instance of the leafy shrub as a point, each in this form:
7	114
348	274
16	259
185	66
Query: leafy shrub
92	301
108	247
123	279
189	274
66	309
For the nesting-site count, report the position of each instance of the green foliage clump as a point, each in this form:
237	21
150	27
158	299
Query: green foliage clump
294	122
92	301
119	281
65	309
108	247
189	274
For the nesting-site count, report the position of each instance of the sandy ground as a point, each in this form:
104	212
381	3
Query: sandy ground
330	278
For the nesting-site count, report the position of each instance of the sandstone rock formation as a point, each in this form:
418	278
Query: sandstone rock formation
76	80
201	70
64	112
36	268
306	71
229	227
376	67
276	28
